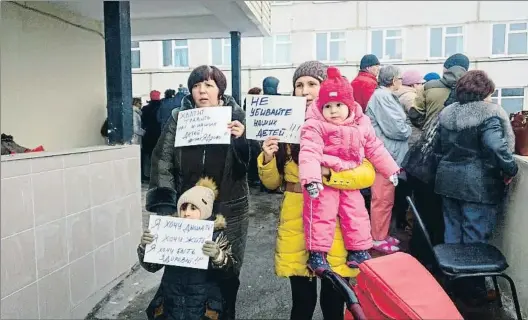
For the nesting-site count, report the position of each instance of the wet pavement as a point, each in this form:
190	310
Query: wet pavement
262	295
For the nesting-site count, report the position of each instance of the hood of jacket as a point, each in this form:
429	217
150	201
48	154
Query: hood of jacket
403	90
449	78
458	117
270	86
313	112
226	100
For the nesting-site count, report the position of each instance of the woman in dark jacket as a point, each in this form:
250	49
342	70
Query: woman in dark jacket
476	142
176	169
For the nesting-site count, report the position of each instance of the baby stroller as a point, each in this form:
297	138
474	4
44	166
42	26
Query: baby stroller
395	286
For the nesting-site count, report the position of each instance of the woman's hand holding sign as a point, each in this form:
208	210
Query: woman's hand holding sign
237	128
270	147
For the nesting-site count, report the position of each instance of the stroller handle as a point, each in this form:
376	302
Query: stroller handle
341	286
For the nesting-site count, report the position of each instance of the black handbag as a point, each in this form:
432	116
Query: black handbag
421	161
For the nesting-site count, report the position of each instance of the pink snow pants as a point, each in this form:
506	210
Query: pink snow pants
320	216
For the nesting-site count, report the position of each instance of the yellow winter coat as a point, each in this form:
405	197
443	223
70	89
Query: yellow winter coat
290	253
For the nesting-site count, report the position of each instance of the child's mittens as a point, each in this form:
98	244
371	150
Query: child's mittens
313	189
394	179
146	238
211	249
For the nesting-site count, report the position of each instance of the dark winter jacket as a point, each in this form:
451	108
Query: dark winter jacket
149	122
476	145
270	86
167	105
177	169
184	293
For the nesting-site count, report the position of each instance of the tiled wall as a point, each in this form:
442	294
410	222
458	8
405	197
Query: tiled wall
70	227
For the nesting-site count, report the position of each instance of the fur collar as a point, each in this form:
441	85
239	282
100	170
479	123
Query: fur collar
457	117
219	222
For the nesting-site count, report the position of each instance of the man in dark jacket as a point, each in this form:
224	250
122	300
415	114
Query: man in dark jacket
436	95
367	80
270	86
149	122
171	101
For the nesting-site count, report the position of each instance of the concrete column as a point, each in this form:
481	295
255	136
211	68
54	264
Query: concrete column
236	67
118	71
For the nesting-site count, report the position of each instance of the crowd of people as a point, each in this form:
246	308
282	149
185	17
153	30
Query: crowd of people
365	146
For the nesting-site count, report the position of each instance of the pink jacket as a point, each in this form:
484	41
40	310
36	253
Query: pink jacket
340	147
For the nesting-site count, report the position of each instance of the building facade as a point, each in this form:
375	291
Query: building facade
418	35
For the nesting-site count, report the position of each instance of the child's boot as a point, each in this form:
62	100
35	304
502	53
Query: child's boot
317	262
355	258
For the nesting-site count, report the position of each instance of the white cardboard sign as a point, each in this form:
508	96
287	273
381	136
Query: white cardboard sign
203	126
280	116
178	242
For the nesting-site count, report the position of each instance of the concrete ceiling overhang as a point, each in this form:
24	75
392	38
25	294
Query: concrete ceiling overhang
163	19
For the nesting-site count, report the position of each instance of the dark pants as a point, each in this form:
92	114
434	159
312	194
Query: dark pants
400	208
469	222
429	206
367	196
229	289
304	299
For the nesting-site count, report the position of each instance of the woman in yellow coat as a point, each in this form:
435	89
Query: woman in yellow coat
277	166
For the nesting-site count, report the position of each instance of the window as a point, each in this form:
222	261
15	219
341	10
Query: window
136	55
277	49
511	99
445	41
221	52
387	44
330	46
176	53
510	38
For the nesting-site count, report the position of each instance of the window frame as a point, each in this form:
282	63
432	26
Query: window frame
506	39
444	36
275	63
500	97
132	49
384	30
328	40
228	64
172	66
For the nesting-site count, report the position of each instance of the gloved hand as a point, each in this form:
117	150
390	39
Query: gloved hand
394	179
313	189
146	238
211	249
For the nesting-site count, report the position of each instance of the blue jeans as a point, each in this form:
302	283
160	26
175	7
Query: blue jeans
468	222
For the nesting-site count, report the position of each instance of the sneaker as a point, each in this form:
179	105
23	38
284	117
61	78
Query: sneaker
355	258
317	262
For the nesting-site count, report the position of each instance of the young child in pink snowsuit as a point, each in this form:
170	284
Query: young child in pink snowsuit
337	135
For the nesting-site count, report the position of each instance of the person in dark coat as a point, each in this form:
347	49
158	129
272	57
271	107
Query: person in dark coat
152	128
188	293
176	169
253	177
476	144
270	86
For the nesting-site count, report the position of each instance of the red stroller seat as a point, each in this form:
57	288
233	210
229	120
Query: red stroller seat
397	286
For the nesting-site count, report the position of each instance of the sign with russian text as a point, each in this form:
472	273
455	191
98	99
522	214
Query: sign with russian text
178	242
280	116
203	126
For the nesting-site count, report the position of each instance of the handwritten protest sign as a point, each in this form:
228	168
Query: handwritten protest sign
203	126
178	242
280	116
